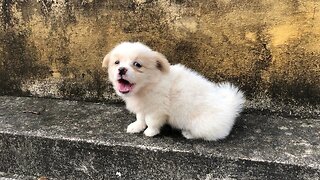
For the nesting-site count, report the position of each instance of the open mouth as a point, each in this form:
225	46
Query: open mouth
124	86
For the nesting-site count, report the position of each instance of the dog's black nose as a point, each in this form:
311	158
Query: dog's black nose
122	71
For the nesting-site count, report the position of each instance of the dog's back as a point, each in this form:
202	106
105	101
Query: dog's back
205	109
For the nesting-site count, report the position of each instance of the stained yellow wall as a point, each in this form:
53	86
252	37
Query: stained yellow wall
270	48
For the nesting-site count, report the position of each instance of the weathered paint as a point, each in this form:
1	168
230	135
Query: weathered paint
270	48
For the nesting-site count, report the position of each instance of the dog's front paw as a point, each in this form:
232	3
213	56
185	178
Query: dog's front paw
151	132
136	127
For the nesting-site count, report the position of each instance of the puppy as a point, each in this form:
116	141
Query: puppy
160	93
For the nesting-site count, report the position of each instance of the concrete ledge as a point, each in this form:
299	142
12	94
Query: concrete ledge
8	176
81	140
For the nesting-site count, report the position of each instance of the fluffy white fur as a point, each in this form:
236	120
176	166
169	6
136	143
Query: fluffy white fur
162	94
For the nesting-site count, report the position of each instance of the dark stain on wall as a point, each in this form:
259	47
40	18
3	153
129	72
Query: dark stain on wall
89	86
262	57
18	62
18	58
300	80
184	52
45	7
6	15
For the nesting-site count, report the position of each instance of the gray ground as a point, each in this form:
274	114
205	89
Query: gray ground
291	146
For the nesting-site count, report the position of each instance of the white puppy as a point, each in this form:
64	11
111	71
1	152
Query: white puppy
162	94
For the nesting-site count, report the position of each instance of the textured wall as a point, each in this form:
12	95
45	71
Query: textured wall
270	48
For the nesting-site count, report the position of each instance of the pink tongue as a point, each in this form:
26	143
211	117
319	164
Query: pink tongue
123	87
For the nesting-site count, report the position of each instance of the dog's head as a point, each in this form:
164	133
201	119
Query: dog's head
133	67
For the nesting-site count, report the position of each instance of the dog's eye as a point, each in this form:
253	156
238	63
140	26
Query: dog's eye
117	62
136	64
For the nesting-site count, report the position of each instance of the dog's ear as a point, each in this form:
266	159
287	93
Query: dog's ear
162	63
105	61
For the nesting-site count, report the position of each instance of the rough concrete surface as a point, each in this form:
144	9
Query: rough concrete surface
8	176
81	140
270	48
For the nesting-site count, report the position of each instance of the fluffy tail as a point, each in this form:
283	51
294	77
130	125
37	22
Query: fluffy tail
234	95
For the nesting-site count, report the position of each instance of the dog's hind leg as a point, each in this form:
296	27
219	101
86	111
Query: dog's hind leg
187	134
